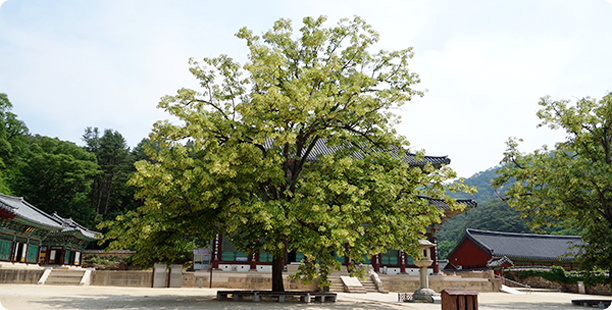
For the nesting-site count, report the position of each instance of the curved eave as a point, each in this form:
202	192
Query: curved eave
78	234
539	258
36	224
436	161
442	205
6	213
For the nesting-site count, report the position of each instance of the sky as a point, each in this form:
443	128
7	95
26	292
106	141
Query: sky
67	65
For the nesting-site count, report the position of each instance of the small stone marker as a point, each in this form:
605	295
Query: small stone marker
159	275
176	276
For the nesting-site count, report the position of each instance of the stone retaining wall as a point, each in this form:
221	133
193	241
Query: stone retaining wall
20	276
254	280
122	278
239	280
440	282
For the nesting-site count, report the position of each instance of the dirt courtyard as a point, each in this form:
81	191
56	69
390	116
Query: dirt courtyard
46	297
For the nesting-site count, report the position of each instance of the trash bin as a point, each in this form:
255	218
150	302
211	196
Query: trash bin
459	300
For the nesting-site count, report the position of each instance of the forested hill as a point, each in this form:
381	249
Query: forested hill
491	214
482	181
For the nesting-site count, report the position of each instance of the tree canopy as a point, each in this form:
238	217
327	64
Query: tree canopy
110	192
248	158
572	181
56	175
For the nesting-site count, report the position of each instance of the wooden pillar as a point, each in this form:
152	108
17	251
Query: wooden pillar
253	262
376	262
216	250
402	261
38	253
434	251
13	246
347	261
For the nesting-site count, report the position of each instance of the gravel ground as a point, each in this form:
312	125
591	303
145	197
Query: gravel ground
45	297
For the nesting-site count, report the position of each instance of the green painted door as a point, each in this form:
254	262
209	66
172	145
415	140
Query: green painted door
5	249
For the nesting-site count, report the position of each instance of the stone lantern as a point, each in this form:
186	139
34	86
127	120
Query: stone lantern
424	294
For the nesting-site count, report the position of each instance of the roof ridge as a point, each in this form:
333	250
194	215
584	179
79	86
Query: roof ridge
515	234
12	197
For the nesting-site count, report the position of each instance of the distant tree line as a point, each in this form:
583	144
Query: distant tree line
88	184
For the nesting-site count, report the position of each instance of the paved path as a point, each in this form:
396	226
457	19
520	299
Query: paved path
35	297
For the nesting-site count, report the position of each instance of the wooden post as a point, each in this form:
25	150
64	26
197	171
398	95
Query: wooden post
459	300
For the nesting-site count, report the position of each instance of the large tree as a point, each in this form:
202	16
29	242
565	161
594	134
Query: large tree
294	150
571	182
110	192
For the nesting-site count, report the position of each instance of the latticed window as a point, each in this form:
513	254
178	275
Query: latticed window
389	258
264	257
409	260
229	252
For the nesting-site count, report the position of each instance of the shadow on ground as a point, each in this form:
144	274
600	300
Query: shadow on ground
167	302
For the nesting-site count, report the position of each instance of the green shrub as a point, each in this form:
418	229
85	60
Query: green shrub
559	275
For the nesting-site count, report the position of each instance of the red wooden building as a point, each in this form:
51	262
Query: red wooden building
481	249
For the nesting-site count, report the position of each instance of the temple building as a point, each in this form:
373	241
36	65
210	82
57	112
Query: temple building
225	256
29	235
481	249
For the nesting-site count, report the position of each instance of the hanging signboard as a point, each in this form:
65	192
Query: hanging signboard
201	258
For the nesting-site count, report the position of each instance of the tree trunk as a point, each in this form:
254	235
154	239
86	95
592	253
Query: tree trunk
277	273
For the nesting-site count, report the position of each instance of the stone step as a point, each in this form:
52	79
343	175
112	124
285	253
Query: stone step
371	288
65	277
67	273
357	290
336	284
62	283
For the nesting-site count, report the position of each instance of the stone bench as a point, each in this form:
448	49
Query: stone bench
280	296
601	303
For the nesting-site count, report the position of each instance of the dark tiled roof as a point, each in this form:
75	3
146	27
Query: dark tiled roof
441	204
321	149
525	246
26	211
498	261
22	209
69	225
